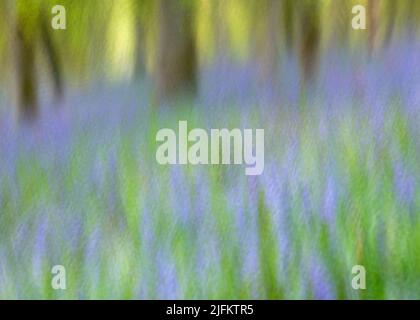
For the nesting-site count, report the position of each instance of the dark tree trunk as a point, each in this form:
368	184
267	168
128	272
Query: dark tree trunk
289	20
25	59
176	61
309	40
142	19
52	57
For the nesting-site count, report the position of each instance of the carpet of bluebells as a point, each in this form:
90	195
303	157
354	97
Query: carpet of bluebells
340	188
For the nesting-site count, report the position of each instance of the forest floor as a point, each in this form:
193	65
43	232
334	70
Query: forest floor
340	188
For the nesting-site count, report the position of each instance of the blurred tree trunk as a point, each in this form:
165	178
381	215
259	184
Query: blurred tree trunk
140	51
176	60
22	58
309	39
143	18
220	32
52	57
373	19
412	16
267	51
341	11
392	11
289	23
26	74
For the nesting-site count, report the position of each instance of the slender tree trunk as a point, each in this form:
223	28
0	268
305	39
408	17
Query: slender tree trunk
140	51
392	10
289	23
220	32
52	57
412	16
176	52
25	59
142	19
373	19
268	42
22	59
341	11
309	39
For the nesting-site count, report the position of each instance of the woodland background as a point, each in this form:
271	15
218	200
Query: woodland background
80	187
